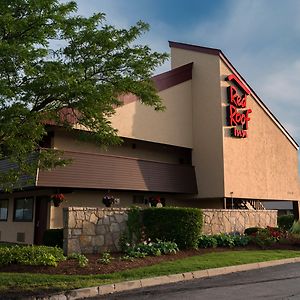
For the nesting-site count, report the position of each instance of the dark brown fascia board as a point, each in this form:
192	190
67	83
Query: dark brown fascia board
218	52
173	77
195	48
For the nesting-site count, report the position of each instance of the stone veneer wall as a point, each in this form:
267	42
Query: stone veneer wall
95	230
236	220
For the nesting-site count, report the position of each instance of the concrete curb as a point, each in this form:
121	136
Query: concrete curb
148	282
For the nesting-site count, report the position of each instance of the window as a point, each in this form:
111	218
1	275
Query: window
3	209
23	209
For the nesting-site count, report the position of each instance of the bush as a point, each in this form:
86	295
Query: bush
285	222
225	240
81	258
241	240
295	227
180	225
207	241
150	248
53	238
31	255
105	259
263	238
252	230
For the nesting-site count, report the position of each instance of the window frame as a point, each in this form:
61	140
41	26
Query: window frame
15	205
7	201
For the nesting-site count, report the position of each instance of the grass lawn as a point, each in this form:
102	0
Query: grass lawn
18	283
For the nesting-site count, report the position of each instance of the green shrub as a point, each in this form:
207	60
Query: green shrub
105	259
180	225
31	255
134	223
53	237
241	240
295	227
225	240
251	230
207	241
285	222
263	238
82	259
150	248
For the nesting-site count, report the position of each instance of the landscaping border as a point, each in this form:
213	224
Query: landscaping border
167	279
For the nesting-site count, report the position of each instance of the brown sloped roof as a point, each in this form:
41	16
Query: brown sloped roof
164	81
97	171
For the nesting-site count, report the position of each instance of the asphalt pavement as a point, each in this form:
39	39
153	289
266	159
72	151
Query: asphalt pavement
278	282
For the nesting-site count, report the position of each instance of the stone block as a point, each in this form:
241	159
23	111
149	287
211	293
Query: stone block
72	220
80	215
54	297
119	218
127	285
76	232
85	243
88	228
106	289
155	281
105	220
108	240
114	227
82	293
98	240
100	229
73	246
93	219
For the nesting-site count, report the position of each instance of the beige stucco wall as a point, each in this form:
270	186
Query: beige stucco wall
207	120
265	164
69	141
172	126
10	228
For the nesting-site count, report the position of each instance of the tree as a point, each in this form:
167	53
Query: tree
94	64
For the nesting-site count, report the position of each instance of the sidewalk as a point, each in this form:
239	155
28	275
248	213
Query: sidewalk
147	282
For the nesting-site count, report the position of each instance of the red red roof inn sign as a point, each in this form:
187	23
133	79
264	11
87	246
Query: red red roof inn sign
238	114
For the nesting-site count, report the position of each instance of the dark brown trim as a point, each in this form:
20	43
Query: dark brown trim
173	77
194	48
219	53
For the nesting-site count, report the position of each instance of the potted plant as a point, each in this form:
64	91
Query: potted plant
57	199
108	200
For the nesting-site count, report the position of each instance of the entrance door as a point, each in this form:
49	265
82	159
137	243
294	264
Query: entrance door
41	216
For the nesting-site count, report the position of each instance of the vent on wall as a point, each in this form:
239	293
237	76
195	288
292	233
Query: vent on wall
21	237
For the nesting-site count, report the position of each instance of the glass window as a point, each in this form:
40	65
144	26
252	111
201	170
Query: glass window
23	209
3	209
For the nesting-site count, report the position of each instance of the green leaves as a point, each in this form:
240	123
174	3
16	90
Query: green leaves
53	60
31	255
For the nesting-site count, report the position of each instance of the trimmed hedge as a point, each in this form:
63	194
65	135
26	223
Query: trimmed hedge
285	222
180	225
252	230
53	237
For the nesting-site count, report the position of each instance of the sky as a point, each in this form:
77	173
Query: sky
261	38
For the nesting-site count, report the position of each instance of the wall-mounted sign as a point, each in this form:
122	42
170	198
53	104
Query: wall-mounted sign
238	114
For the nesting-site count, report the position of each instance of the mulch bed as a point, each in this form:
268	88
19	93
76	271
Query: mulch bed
71	267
